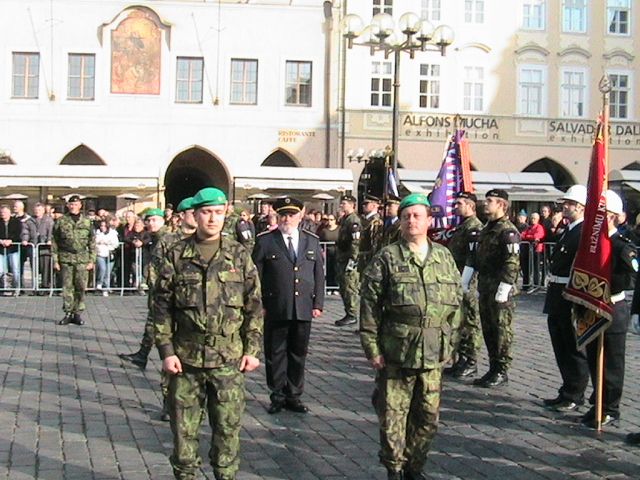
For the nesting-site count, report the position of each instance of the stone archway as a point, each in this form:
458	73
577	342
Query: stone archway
562	178
192	170
280	158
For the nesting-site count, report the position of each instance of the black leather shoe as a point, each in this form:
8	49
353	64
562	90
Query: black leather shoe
495	380
550	402
565	406
275	407
296	406
77	319
456	366
633	439
409	475
468	369
66	320
606	420
393	475
346	320
479	382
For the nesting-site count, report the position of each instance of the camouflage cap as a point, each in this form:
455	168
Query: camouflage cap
414	199
185	204
154	212
208	196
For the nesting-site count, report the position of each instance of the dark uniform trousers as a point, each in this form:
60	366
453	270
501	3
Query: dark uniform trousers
291	289
614	346
572	362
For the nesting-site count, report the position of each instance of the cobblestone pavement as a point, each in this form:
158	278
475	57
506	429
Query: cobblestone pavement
69	409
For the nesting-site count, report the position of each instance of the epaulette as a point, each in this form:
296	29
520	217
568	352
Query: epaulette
626	239
310	233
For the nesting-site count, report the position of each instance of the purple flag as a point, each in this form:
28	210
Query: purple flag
449	182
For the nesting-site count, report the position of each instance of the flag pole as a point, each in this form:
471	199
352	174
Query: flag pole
605	87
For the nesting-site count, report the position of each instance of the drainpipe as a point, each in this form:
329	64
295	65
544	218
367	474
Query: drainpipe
328	17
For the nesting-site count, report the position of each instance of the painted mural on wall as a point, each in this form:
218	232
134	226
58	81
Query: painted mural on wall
135	55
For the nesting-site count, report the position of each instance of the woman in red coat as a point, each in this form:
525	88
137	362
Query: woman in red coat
535	235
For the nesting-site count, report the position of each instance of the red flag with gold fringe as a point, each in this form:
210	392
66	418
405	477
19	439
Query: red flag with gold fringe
590	279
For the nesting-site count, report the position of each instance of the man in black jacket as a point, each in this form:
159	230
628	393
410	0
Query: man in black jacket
10	230
572	362
289	261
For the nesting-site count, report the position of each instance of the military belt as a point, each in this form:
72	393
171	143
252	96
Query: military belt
418	322
209	340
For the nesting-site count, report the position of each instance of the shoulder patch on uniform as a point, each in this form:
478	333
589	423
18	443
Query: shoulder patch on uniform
355	227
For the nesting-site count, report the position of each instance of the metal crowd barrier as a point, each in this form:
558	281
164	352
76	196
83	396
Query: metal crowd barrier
42	278
534	266
330	284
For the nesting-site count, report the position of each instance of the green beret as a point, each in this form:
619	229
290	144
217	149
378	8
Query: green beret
154	212
207	197
414	199
185	204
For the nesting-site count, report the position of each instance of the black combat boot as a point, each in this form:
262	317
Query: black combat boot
498	378
139	358
409	475
76	319
346	320
456	366
66	320
395	475
467	369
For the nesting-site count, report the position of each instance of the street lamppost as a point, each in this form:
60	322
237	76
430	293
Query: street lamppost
411	34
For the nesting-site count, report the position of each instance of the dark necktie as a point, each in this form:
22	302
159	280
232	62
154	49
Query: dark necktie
292	252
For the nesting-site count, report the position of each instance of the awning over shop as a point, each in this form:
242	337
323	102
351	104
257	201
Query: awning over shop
522	186
75	176
630	178
292	178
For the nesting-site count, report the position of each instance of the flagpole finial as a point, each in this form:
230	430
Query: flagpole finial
605	84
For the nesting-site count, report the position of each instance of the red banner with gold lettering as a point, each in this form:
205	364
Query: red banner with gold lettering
590	279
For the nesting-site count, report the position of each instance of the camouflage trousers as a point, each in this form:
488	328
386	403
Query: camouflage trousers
74	282
221	392
408	405
470	329
148	342
349	287
497	329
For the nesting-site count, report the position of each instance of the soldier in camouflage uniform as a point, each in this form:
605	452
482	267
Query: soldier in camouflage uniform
497	262
74	253
140	358
231	223
371	236
208	329
391	228
462	245
347	250
409	321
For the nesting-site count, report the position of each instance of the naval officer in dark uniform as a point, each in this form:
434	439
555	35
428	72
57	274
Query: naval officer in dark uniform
289	261
572	362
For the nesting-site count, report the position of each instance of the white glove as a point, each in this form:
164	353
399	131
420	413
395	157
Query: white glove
351	265
467	276
502	295
635	324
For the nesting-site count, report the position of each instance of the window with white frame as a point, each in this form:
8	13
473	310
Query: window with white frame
619	98
473	89
26	73
532	90
82	76
474	11
383	6
533	14
574	16
381	84
244	81
431	10
573	93
190	71
618	16
298	83
429	86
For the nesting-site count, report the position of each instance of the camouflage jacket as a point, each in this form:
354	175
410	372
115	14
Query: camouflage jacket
497	258
73	242
230	223
371	238
208	315
464	241
348	244
410	313
158	247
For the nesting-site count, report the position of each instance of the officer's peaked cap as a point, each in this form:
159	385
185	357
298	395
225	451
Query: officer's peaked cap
288	205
